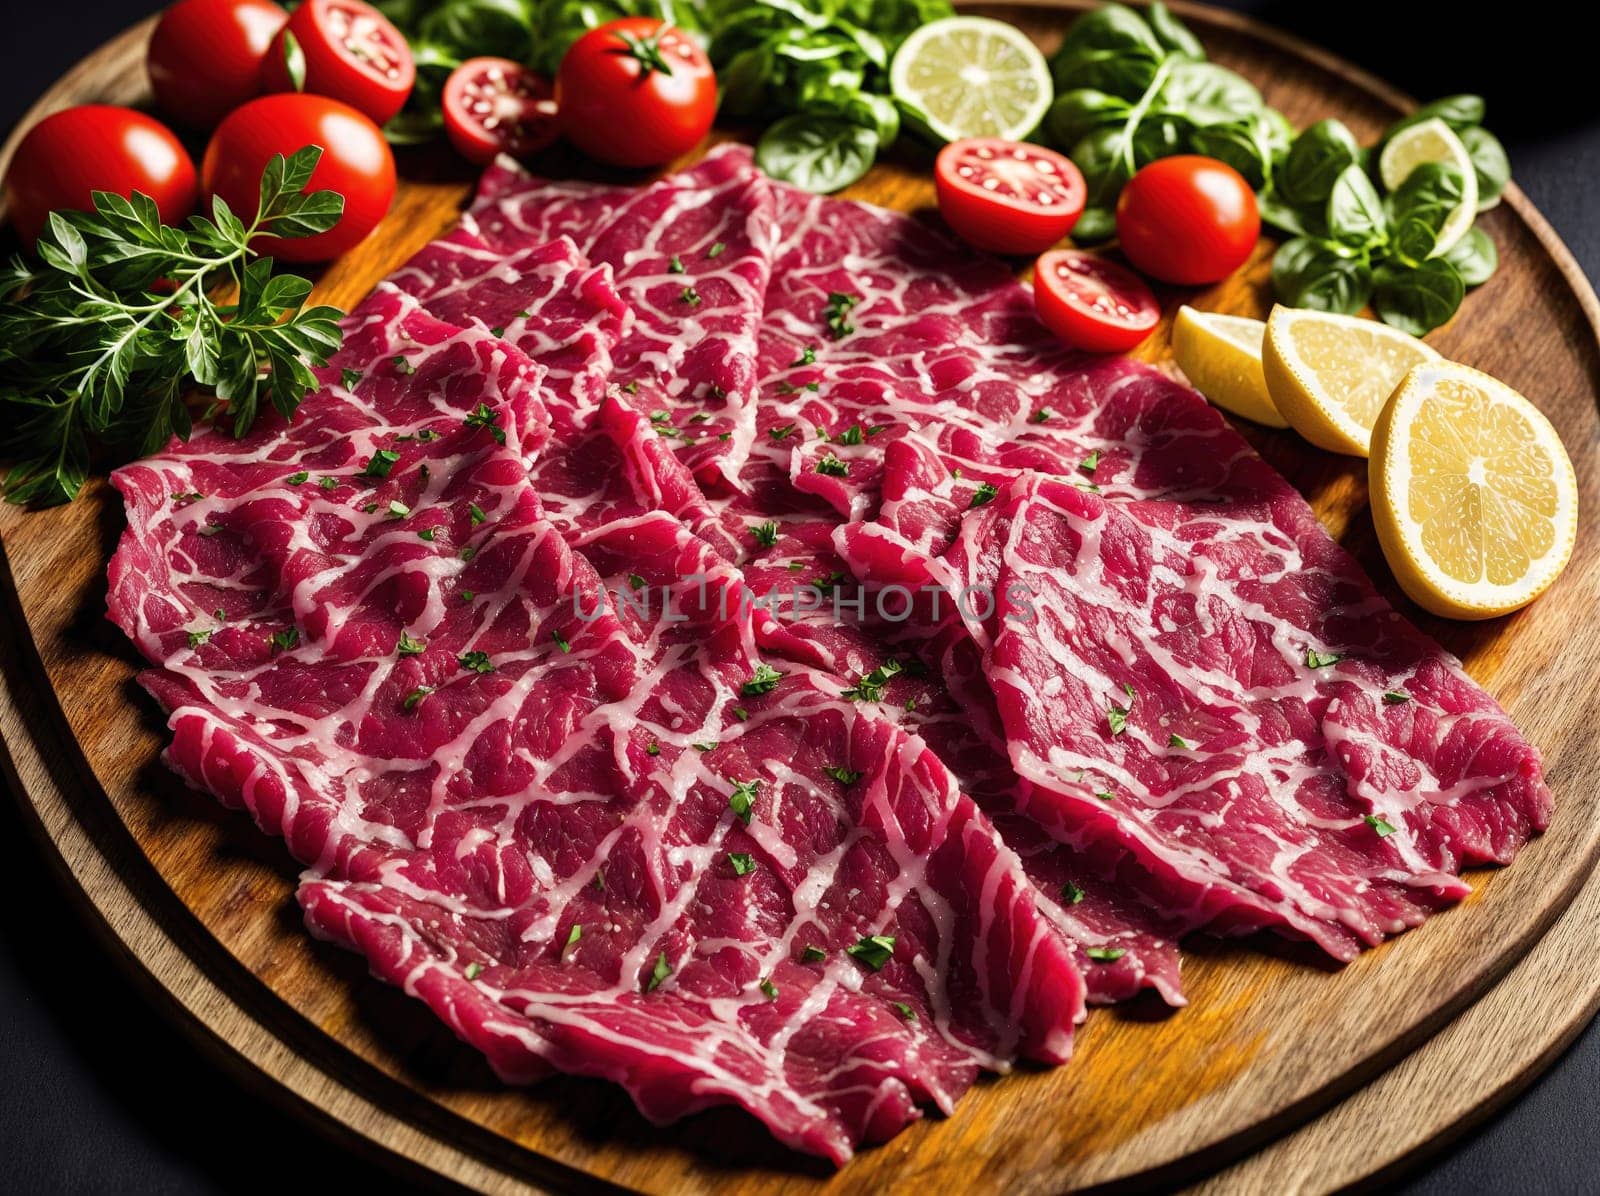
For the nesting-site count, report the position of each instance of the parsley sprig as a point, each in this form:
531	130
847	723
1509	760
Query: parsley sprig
103	335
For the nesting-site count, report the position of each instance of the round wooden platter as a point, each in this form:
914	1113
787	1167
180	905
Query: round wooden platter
1328	1075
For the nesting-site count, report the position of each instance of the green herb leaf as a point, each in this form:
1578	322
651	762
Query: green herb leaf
763	680
813	955
199	638
817	153
1177	741
485	417
716	250
743	799
380	463
658	973
832	466
845	776
769	989
904	1010
1379	824
473	970
285	640
1322	660
743	863
873	951
983	494
573	937
475	512
295	479
675	265
765	534
408	646
836	311
690	296
414	698
1395	698
1106	954
871	685
478	662
561	641
1071	893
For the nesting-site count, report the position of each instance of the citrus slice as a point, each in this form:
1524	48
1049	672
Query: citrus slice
1330	375
1221	357
973	77
1473	495
1433	141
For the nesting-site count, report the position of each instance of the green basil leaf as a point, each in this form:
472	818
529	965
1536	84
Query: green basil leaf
1417	299
1458	111
1079	112
1280	215
1173	35
1240	145
1355	212
1474	257
1490	163
1420	207
1321	275
1315	161
1094	226
1208	94
820	154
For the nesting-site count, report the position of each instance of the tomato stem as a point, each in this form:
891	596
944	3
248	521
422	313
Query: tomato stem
646	51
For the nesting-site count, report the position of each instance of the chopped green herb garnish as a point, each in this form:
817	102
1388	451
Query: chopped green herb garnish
1090	463
474	970
1103	795
658	973
983	494
780	433
1394	698
700	417
349	377
408	646
833	467
414	698
1041	416
740	713
1380	824
873	951
286	639
1106	954
769	989
631	387
1321	660
675	265
573	936
652	749
1117	720
854	434
690	296
1177	741
468	552
828	582
839	305
766	534
478	662
636	581
295	479
427	434
486	417
1071	893
904	1010
808	356
870	687
499	330
381	463
763	680
716	250
398	509
845	776
476	513
428	533
813	955
561	641
705	747
328	483
402	365
743	863
742	800
198	638
467	595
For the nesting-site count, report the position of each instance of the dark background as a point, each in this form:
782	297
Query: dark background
98	1093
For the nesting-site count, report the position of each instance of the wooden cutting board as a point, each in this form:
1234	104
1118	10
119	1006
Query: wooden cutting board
203	904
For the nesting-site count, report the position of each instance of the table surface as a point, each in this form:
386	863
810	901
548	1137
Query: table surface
99	1092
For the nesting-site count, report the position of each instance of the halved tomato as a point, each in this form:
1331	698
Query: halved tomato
1007	196
1092	303
496	106
346	50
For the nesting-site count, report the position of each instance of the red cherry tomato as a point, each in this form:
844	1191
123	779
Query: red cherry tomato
70	154
356	162
635	92
1092	303
1007	196
1188	220
496	106
205	56
350	52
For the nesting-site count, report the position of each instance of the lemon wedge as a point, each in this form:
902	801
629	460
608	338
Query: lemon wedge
1433	141
973	77
1221	357
1473	494
1330	375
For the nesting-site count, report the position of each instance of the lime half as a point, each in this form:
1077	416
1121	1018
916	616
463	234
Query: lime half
1433	141
973	77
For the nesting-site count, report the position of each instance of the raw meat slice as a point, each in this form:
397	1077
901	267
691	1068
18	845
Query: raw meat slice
414	681
691	255
1218	689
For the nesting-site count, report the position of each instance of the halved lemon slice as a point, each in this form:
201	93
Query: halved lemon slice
1221	357
1433	141
973	77
1330	375
1473	494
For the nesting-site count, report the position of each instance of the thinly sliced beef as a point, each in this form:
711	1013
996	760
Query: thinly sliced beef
691	255
585	832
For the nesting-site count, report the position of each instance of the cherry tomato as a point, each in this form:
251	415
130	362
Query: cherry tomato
356	162
635	92
496	106
349	51
1188	220
96	147
1092	303
1007	196
205	56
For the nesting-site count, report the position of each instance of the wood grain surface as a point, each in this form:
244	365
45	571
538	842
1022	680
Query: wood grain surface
204	903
